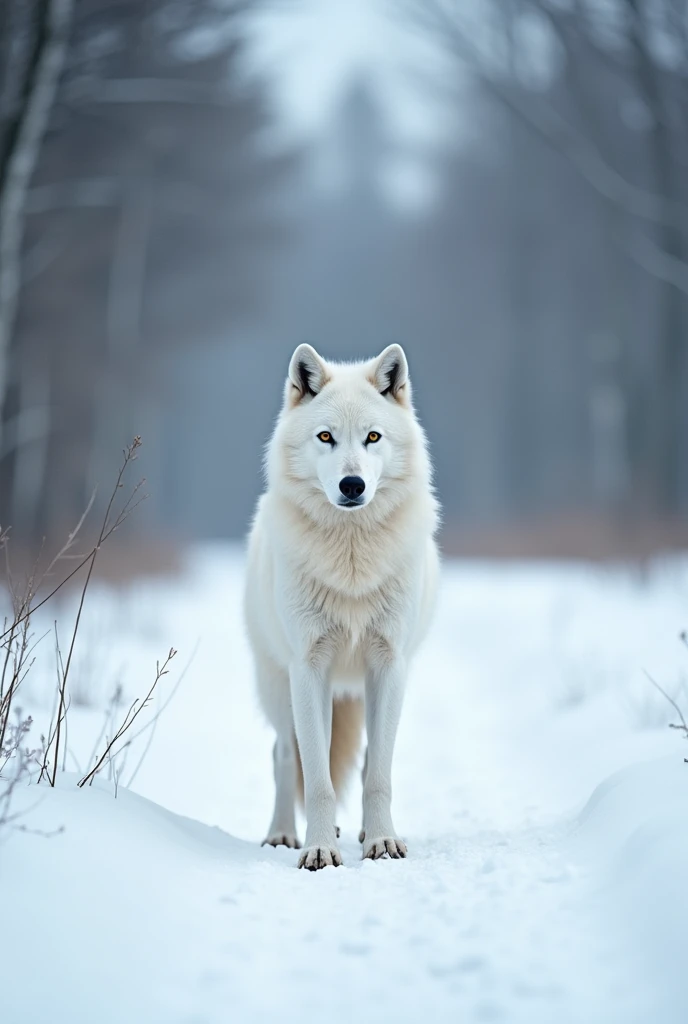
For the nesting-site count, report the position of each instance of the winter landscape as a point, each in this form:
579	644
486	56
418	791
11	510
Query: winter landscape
189	190
541	793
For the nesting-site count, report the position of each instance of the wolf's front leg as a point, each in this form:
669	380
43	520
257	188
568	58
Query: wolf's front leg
384	696
311	695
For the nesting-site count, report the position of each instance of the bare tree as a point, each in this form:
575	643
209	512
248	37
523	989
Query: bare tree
646	205
665	446
23	139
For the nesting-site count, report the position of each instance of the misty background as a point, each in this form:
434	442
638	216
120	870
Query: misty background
189	190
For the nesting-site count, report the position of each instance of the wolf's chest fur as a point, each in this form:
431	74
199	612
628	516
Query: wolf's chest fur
351	584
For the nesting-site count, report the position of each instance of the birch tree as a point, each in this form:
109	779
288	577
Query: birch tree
22	143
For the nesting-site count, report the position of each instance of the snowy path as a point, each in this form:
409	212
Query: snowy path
515	903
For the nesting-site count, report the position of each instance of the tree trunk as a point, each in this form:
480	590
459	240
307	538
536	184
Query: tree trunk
21	152
664	395
521	455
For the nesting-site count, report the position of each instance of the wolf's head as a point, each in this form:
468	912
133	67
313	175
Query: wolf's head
347	438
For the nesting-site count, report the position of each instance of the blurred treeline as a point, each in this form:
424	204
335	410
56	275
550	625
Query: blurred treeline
148	222
177	243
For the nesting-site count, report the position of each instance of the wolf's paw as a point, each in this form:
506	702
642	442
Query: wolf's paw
282	839
315	857
387	846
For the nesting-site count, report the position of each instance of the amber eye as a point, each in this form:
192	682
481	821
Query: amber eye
372	437
325	436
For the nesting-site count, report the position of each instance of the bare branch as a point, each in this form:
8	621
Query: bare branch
129	456
121	517
148	90
129	719
554	129
153	724
684	725
661	264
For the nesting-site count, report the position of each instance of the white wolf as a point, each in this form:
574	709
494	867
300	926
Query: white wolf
342	574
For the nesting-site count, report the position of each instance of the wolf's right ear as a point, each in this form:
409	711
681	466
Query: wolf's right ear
307	374
390	374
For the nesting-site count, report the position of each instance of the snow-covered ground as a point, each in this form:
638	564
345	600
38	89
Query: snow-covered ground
544	801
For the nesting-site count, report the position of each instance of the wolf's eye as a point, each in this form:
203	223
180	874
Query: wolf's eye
372	437
326	437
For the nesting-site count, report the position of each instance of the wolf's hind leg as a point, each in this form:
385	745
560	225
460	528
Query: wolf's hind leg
273	686
282	831
364	770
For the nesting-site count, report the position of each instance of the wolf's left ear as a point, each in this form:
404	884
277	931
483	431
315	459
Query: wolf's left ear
307	373
390	373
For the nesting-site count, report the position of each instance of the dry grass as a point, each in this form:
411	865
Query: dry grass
569	537
21	761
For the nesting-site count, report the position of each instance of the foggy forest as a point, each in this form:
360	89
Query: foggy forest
168	238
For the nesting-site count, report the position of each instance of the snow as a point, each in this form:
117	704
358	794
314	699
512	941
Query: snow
542	796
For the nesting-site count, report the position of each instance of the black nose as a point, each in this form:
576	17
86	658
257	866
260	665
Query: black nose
352	487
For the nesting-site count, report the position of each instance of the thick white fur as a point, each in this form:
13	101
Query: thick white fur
338	599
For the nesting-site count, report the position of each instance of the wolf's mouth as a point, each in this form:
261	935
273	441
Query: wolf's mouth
351	504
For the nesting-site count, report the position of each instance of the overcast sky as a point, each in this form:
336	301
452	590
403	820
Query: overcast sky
312	48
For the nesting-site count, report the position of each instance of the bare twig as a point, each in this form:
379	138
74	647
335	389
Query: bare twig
16	654
124	514
20	756
129	456
61	700
683	726
129	719
153	724
114	702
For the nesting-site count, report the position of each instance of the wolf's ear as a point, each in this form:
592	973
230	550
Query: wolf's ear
307	373
390	373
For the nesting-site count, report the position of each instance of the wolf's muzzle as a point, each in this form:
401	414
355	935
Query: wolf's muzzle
352	487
